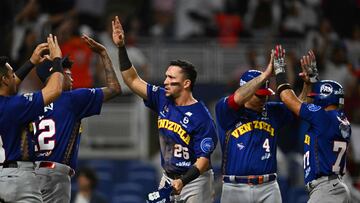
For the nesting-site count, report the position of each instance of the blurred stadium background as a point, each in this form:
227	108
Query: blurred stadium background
223	38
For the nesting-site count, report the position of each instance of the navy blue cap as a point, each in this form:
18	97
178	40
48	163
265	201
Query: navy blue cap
43	70
251	74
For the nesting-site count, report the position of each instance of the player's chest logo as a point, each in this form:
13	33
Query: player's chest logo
164	111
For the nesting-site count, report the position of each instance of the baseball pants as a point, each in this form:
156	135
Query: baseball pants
198	190
18	183
324	190
238	192
55	181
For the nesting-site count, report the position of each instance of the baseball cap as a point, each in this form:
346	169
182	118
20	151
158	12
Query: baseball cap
43	70
264	90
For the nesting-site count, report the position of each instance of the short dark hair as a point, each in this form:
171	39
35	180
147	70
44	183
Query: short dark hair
3	69
188	69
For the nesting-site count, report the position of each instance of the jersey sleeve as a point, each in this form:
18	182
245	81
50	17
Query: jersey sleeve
282	114
87	102
225	112
154	94
312	113
26	107
206	139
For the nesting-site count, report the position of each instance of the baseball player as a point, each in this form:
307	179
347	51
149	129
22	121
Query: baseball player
247	128
327	139
56	133
187	131
17	179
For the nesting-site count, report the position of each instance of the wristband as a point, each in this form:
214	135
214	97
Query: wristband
57	66
190	175
124	60
25	69
282	82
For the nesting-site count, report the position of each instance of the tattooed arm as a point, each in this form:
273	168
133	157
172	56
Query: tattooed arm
112	88
245	92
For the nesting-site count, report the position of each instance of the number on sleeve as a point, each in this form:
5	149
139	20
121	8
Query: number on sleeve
306	159
338	146
266	145
181	152
44	136
2	151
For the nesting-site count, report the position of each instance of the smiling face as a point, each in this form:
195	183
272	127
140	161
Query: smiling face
175	82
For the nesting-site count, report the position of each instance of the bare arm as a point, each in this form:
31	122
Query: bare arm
35	59
54	86
201	164
245	92
291	101
128	72
112	88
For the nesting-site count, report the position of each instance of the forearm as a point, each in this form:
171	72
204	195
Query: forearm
291	101
23	71
201	165
245	92
305	91
112	84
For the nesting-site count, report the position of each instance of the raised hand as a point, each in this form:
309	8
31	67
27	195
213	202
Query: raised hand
36	56
310	74
118	32
54	48
279	60
94	45
270	67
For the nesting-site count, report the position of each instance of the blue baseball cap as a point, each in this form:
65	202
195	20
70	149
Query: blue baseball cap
43	70
264	90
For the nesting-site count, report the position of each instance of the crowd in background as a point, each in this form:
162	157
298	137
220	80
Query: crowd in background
329	27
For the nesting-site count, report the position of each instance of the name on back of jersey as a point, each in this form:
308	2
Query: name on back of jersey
247	127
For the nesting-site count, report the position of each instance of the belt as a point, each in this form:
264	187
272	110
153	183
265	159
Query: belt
56	166
251	180
18	164
312	184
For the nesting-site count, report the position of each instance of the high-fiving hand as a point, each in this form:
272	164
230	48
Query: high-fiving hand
54	48
36	56
94	45
118	32
279	60
310	72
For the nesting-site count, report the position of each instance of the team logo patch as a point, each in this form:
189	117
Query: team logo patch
313	107
155	88
326	89
207	145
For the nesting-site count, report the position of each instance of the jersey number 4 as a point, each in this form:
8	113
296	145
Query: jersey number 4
45	138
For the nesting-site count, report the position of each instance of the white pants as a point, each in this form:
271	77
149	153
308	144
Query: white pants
198	190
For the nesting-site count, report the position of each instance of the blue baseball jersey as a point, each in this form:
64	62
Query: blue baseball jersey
248	138
185	132
56	133
325	142
15	113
